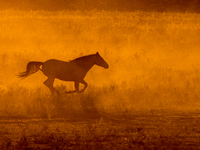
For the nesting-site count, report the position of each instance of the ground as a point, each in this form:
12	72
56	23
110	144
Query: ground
148	131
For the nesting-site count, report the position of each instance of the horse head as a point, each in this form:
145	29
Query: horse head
100	61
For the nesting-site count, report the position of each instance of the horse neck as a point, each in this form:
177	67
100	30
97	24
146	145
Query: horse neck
87	62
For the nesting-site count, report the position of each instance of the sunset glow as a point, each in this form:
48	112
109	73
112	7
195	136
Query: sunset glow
153	58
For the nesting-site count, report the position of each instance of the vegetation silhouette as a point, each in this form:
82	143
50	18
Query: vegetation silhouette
74	70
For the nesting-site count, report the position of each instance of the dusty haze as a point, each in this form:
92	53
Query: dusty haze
153	57
147	99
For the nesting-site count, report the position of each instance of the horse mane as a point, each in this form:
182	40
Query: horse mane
81	58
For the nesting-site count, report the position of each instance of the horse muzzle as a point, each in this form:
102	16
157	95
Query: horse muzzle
106	67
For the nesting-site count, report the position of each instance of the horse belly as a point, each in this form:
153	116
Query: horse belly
66	75
61	70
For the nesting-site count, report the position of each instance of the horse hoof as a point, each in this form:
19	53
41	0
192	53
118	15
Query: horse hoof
81	91
69	92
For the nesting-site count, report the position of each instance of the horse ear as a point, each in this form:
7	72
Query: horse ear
97	53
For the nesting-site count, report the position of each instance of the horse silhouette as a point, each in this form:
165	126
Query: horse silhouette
74	70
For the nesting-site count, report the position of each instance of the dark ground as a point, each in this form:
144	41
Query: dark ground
153	131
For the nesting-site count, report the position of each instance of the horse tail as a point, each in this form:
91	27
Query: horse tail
32	67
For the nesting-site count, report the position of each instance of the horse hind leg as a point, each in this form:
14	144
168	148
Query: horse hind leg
49	84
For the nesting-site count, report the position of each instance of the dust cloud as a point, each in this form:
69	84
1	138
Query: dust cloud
153	59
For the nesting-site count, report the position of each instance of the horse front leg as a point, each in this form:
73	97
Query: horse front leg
85	86
76	84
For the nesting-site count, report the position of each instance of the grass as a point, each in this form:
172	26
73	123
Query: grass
120	101
112	117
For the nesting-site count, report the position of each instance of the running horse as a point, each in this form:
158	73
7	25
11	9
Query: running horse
74	70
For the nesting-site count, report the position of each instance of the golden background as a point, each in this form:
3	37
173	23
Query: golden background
148	98
153	57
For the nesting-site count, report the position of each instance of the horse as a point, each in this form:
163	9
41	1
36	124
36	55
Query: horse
74	70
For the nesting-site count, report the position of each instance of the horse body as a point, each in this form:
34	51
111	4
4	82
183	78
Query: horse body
66	71
59	69
74	70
